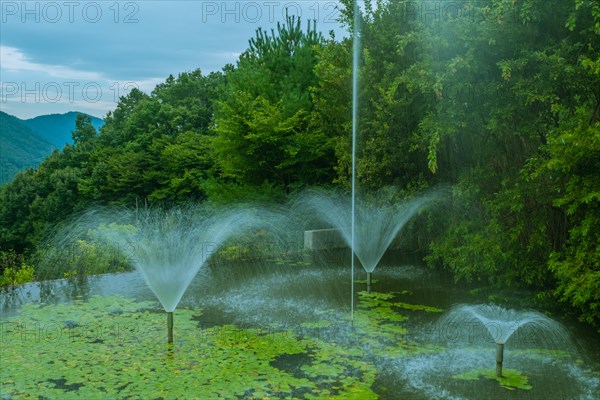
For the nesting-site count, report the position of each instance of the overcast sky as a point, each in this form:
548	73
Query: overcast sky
59	56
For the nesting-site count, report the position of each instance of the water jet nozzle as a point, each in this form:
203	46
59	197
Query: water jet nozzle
499	358
170	327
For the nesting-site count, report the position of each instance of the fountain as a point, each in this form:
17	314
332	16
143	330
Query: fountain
501	324
377	222
168	247
373	226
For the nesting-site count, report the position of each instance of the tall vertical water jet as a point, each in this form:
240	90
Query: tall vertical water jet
355	73
367	239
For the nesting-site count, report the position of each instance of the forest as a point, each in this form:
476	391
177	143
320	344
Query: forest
498	100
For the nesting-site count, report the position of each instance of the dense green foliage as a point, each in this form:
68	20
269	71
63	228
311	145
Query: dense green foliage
263	125
528	184
14	269
500	99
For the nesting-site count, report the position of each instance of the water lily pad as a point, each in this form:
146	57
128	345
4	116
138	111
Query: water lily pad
379	324
511	379
417	307
113	347
364	281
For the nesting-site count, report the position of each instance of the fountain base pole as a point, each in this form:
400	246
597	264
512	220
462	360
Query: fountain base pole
368	281
170	327
499	358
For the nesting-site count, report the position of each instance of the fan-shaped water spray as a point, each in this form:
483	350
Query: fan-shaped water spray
377	222
168	247
502	324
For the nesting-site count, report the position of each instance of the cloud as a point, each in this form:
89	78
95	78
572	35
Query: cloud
27	86
14	60
17	62
47	64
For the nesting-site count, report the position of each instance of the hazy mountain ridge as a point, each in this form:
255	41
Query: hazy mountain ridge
20	147
56	128
25	143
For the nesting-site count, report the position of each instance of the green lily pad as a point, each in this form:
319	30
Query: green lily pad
316	325
417	307
511	379
113	347
379	324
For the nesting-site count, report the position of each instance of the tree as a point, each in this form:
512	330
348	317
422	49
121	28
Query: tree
391	102
517	212
156	147
263	126
84	130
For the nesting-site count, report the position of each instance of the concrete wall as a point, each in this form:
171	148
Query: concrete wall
323	239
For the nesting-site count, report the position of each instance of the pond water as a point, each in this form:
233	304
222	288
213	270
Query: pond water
390	344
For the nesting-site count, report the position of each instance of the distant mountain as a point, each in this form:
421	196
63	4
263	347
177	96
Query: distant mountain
25	143
20	147
56	128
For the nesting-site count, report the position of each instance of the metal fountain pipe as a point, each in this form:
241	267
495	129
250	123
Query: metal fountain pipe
368	281
170	327
499	358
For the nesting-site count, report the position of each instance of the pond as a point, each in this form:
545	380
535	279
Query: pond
279	329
